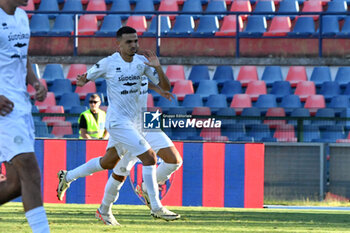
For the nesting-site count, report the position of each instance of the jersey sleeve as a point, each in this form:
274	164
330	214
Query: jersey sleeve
99	70
152	74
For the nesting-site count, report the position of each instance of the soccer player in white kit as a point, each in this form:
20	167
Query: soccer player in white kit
127	95
16	123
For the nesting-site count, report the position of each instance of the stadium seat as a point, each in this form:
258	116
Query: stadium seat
165	26
72	5
50	120
240	101
87	25
280	26
260	133
304	27
275	112
110	25
192	6
345	30
76	110
97	5
230	88
206	88
74	71
281	89
339	102
290	102
223	74
39	25
168	5
314	102
345	113
48	5
52	72
226	116
241	6
296	74
330	25
266	101
208	25
329	89
216	101
265	6
285	133
166	104
303	113
235	132
175	73
212	134
272	74
201	111
304	89
312	6
228	27
291	6
183	26
138	22
320	74
256	88
41	130
250	112
69	100
145	6
324	112
311	133
192	100
49	101
150	101
60	129
64	25
30	89
177	110
339	6
343	76
198	73
60	86
102	87
331	133
121	6
216	6
347	90
247	74
256	26
182	88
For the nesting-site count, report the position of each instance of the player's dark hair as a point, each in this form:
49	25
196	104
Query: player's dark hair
125	30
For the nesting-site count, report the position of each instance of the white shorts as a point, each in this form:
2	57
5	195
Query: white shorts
157	140
16	135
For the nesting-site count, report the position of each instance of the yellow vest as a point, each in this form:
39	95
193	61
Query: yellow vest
95	128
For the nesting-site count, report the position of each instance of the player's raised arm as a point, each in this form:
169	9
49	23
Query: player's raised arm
31	79
82	80
153	61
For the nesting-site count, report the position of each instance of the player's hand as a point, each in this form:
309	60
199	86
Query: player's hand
152	58
6	105
168	95
81	80
41	91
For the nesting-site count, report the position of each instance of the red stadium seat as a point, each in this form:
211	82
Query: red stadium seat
138	22
296	74
275	112
247	74
280	25
312	6
37	1
74	70
314	102
256	88
175	73
87	25
241	5
305	89
182	88
212	134
97	5
50	120
150	102
228	27
84	2
62	128
240	101
285	133
49	101
89	87
201	111
30	89
169	5
346	140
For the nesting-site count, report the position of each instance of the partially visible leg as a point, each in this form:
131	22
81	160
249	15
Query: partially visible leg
171	162
11	187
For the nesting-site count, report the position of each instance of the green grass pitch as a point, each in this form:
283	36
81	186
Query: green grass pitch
72	218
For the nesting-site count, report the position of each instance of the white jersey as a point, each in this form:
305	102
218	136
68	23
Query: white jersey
14	41
126	86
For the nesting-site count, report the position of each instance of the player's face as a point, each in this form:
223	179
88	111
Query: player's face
94	104
129	44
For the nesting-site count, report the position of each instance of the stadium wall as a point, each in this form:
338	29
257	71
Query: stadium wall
212	175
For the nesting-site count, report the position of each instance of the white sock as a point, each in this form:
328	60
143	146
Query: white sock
164	171
149	177
111	194
92	166
37	220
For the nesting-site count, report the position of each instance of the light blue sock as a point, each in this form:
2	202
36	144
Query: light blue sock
37	220
149	177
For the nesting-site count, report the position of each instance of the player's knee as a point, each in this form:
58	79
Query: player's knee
107	164
118	177
149	158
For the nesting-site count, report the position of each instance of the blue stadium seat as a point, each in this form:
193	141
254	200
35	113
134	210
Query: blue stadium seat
145	6
347	90
72	5
206	88
265	102
41	130
52	72
68	100
250	112
265	6
183	27
345	113
324	112
331	133
300	112
234	132
330	25
177	110
198	73
48	5
330	89
35	109
230	88
165	26
75	110
304	27
166	104
290	102
256	26
64	25
192	6
272	74
260	133
208	25
287	6
60	86
281	89
320	74
110	25
343	76
102	87
339	6
192	101
226	116
217	6
339	103
311	133
39	25
222	74
120	6
345	30
216	101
